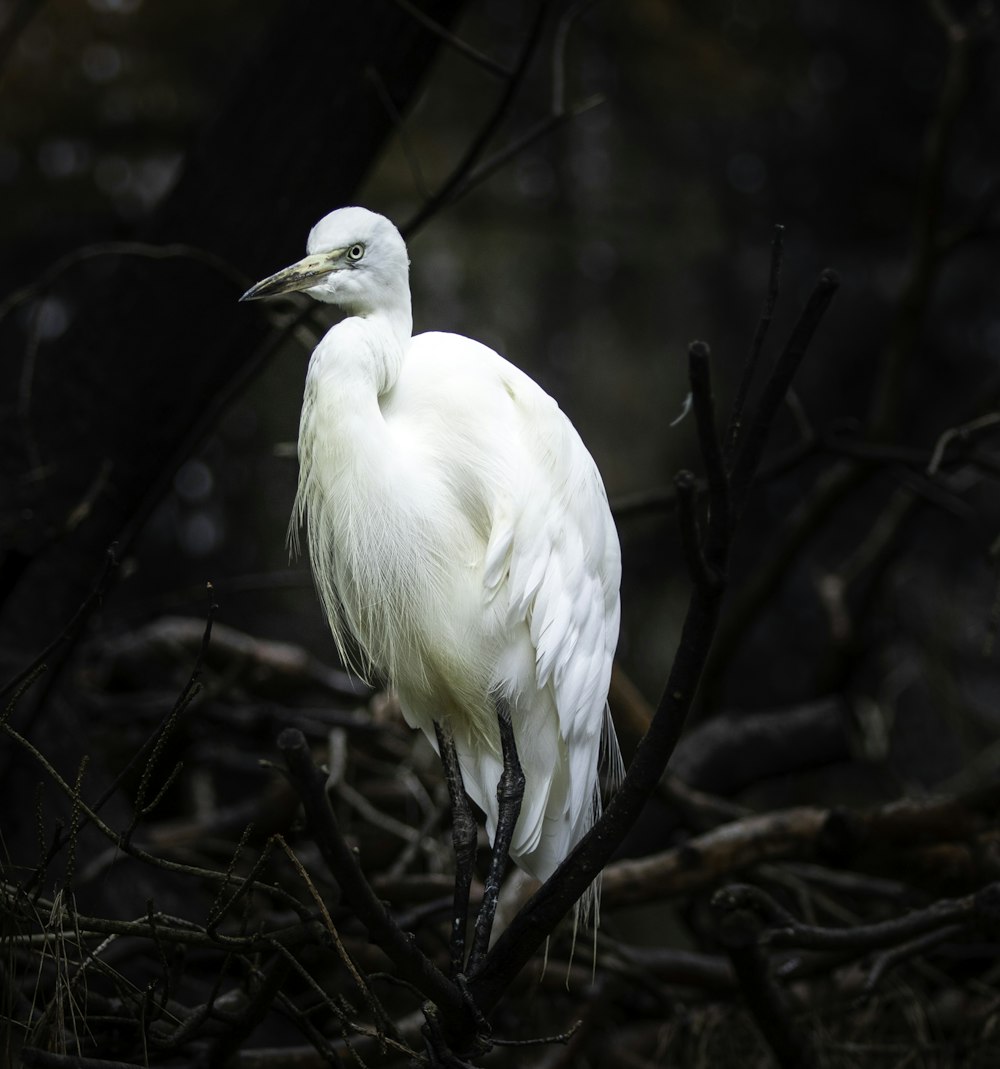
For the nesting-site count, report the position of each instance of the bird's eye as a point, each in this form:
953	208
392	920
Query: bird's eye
355	252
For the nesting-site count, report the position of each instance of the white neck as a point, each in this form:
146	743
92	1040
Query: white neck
356	363
364	352
348	469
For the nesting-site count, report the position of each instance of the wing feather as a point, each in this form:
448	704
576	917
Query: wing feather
564	577
550	574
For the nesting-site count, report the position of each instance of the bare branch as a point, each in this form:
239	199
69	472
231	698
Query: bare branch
778	928
962	433
741	930
410	963
72	629
925	260
747	460
735	427
453	40
687	521
711	452
889	959
45	1059
804	833
459	177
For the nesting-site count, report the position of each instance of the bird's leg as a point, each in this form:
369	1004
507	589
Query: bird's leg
510	791
463	837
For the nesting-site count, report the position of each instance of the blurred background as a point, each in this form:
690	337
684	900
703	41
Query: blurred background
668	139
590	259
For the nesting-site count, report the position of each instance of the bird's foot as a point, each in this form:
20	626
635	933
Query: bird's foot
510	792
463	837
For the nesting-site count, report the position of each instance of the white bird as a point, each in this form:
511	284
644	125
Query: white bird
459	531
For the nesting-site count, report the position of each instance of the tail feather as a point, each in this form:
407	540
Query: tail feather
588	909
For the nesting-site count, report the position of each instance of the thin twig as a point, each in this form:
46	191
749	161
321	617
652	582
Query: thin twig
699	375
785	931
130	848
747	460
741	930
153	744
911	309
918	946
559	43
411	964
143	250
514	148
72	629
760	333
373	1003
447	190
453	40
962	433
687	522
409	151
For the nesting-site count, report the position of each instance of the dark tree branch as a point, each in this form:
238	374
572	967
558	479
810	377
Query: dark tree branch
411	964
747	461
448	190
472	170
895	956
781	929
151	747
740	930
45	1059
807	518
926	257
735	428
119	841
735	749
71	631
534	133
750	920
703	403
881	838
453	41
715	855
687	523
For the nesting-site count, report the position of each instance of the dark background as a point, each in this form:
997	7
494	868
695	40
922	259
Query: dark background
140	404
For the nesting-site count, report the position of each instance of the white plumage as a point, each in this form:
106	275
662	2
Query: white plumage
459	530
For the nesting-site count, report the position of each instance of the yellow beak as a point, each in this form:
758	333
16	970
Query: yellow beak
300	276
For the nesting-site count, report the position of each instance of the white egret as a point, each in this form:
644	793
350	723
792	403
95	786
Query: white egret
459	530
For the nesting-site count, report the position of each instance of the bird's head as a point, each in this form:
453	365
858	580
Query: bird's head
354	259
